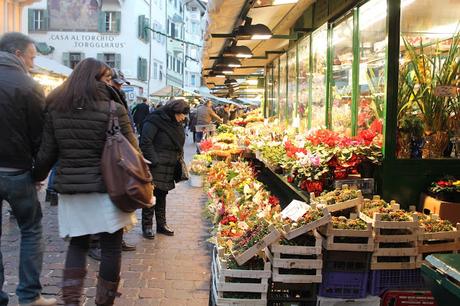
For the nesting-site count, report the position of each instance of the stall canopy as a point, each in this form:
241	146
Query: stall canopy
49	66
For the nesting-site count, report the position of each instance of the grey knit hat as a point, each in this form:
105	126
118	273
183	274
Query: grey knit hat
177	106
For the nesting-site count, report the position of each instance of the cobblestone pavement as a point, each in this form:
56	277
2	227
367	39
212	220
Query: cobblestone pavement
169	271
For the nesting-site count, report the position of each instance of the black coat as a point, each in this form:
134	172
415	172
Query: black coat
77	139
162	143
21	114
140	112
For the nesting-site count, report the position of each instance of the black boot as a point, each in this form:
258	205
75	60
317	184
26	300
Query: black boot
147	216
160	213
165	230
72	285
126	247
106	292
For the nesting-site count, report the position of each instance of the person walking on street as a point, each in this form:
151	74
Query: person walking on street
204	116
75	134
162	143
140	111
22	104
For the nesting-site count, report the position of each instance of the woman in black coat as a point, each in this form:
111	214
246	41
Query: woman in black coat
162	143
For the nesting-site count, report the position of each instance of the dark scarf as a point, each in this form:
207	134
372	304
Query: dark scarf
170	126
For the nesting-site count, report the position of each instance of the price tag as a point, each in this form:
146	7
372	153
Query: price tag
295	210
445	91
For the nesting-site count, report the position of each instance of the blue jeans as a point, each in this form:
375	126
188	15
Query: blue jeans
18	189
51	179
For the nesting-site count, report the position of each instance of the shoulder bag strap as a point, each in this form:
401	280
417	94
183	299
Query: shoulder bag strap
113	125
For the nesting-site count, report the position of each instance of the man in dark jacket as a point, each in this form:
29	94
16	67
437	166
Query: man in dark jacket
21	122
140	111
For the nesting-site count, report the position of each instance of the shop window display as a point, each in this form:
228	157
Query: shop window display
269	93
276	88
372	71
341	83
292	87
428	97
283	88
319	68
303	82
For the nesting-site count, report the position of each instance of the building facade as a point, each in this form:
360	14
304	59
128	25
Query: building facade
11	14
141	37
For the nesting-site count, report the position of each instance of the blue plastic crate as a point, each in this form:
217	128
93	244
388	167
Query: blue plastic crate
344	285
382	280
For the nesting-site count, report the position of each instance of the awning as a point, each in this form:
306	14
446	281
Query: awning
44	64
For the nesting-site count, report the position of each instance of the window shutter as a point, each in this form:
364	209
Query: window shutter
46	20
100	57
145	69
147	32
118	22
140	27
101	22
31	20
139	64
66	59
118	60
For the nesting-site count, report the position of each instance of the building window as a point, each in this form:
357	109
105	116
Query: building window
193	80
109	22
155	71
74	59
109	59
142	69
38	20
160	73
143	33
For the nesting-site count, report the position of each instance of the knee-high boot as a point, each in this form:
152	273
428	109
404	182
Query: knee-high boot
72	286
106	292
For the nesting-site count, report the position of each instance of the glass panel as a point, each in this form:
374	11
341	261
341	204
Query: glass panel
304	82
276	88
283	89
269	82
341	84
428	97
372	69
292	84
319	54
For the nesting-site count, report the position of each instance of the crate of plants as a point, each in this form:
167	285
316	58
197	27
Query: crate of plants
255	239
312	219
437	236
339	199
298	260
348	234
395	239
233	284
284	294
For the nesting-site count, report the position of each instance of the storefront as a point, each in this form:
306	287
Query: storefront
387	68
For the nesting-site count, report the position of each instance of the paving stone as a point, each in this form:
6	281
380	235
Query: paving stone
172	271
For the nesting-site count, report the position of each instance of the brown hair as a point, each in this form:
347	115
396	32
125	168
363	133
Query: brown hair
82	87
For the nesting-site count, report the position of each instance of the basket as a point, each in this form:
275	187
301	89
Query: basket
382	280
345	285
196	180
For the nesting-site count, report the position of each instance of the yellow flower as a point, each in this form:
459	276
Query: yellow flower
456	183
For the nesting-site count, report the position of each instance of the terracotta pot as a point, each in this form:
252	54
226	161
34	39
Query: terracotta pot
435	144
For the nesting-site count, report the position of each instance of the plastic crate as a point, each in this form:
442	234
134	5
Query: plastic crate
344	261
382	280
408	298
345	285
367	301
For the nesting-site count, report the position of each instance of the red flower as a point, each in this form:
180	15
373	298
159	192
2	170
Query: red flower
290	179
205	145
376	126
273	200
444	183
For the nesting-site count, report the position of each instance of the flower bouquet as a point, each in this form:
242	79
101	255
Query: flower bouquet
447	189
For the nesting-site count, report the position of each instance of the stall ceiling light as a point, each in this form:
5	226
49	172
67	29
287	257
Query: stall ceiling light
228	62
222	70
238	51
249	31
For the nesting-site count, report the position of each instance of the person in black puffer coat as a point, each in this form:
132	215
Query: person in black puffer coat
162	143
75	133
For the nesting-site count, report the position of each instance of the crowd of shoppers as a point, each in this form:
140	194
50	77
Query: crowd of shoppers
67	131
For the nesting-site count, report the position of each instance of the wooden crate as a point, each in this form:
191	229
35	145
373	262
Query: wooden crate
341	205
439	242
302	258
345	239
290	233
225	280
272	237
402	257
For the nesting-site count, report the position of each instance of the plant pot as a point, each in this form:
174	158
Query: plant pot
367	169
196	180
403	148
435	144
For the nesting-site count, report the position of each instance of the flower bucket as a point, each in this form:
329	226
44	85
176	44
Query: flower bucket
196	180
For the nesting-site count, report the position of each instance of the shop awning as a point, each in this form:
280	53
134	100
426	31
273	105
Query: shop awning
47	65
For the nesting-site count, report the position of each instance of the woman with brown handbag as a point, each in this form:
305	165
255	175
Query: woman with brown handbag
75	134
162	143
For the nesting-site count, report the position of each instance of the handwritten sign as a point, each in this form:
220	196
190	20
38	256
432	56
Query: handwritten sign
295	210
445	91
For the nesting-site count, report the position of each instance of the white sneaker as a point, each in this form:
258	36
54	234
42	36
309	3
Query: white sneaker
41	301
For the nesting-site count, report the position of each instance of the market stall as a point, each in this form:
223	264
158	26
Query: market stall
49	74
